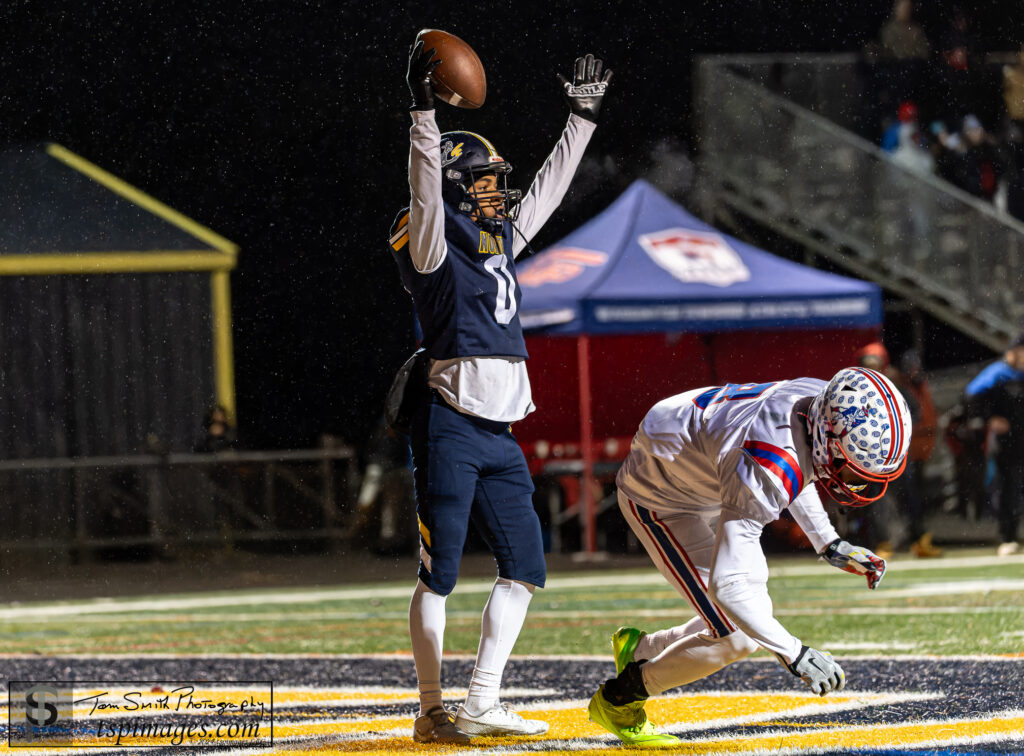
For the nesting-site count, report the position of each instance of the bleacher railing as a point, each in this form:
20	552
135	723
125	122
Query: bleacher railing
805	175
85	505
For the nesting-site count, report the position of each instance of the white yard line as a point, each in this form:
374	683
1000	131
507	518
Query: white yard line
911	565
679	610
100	611
865	646
950	587
597	581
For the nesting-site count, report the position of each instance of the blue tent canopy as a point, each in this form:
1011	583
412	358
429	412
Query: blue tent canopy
645	264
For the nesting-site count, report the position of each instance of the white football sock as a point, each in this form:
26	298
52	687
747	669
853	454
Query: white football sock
692	658
654	643
502	620
426	631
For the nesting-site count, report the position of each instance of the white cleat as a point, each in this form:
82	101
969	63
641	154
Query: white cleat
499	720
1008	549
437	727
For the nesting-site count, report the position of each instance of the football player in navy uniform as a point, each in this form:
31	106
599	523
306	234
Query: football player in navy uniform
455	246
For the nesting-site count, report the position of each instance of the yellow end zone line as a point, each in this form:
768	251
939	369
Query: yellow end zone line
1002	727
393	730
1008	725
680	712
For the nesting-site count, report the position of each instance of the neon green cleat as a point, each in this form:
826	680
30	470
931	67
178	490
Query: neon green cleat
628	723
624	646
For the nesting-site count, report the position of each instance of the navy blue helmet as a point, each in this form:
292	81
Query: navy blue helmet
465	158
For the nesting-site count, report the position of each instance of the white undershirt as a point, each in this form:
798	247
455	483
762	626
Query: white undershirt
496	388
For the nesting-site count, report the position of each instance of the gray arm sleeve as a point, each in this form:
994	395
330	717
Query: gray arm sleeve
427	247
552	180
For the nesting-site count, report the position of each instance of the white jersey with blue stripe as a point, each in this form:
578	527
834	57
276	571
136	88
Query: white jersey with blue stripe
743	447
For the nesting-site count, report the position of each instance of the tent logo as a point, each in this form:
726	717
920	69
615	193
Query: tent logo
695	256
560	265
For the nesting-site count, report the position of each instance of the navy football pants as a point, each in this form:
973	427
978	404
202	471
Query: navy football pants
470	468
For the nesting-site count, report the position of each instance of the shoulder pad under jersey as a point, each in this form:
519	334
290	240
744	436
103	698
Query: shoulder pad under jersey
399	235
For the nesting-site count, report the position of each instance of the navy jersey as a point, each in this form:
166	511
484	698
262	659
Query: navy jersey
469	305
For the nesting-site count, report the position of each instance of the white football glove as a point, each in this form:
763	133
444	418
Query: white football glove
855	559
819	671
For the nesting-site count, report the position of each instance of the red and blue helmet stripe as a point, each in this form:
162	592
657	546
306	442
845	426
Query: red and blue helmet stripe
894	418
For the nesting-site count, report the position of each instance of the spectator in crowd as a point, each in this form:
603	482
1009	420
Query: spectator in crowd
965	437
897	59
912	215
874	356
915	388
997	395
982	164
957	71
905	114
218	435
1013	90
219	484
911	152
386	493
947	150
1015	169
903	38
957	42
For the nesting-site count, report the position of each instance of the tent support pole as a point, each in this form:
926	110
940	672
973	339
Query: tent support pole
588	509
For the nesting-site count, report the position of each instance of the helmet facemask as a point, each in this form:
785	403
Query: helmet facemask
466	158
472	202
847	484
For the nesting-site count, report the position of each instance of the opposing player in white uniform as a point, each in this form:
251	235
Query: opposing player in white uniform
707	470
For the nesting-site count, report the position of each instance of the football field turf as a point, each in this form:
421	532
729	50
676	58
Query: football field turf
934	660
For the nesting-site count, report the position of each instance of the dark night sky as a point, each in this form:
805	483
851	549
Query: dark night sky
283	126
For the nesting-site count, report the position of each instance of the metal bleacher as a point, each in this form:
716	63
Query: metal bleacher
778	148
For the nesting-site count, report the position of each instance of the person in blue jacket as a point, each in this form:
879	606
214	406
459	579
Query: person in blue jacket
997	395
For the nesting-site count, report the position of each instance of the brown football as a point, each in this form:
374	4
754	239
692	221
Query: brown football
460	79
